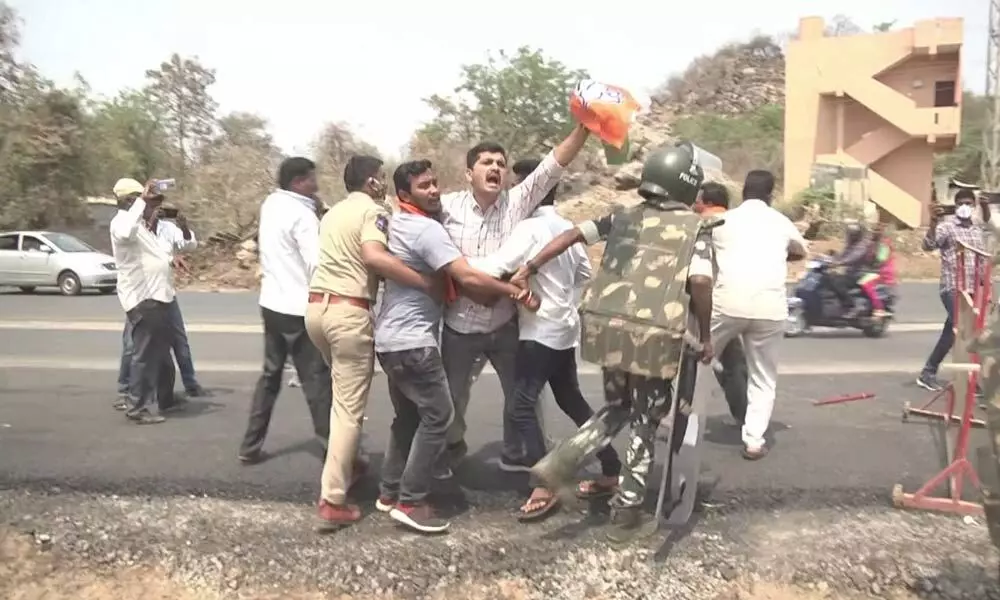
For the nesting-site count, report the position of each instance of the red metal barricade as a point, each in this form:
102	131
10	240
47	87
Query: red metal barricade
970	313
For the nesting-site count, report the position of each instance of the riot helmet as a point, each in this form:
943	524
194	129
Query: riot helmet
671	173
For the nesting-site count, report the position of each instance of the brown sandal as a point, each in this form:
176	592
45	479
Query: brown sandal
536	508
592	488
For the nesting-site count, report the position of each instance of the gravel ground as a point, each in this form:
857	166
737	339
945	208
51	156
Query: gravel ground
70	545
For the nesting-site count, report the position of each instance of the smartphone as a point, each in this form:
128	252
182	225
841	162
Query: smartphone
163	185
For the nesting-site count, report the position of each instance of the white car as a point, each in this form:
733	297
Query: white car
33	259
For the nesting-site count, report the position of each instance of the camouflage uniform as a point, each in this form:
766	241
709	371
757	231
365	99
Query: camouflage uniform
636	400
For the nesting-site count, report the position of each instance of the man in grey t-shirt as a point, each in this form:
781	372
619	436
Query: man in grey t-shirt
406	344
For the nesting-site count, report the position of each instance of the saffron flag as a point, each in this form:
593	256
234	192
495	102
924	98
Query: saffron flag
607	111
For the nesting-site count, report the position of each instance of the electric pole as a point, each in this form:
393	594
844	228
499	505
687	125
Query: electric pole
990	165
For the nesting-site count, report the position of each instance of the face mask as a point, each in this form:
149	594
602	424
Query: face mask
964	212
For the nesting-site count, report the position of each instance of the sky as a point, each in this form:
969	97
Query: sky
303	63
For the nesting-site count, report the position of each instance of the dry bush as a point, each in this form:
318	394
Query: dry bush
225	194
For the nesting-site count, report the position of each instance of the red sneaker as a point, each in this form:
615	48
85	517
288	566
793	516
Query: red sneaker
385	503
419	517
332	517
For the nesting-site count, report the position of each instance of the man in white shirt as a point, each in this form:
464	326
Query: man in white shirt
546	351
145	290
288	246
479	220
176	238
749	300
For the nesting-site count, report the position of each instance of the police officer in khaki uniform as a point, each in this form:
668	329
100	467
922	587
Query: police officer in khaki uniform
353	254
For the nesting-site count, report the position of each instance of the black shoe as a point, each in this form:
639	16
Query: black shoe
144	417
929	381
253	458
198	392
626	524
180	403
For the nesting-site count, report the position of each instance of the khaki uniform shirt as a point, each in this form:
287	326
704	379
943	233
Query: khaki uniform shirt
345	227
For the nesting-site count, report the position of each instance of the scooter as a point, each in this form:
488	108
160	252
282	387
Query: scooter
814	303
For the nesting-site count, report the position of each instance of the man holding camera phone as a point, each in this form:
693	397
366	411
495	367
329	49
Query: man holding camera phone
177	237
944	233
146	292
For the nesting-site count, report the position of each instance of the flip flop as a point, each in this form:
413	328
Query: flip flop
540	508
589	489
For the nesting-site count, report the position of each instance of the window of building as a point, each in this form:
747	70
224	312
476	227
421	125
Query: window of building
944	93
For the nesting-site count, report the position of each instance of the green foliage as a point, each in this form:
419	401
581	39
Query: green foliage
179	88
519	101
965	161
744	142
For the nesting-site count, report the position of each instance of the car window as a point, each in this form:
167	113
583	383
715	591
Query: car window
68	243
29	243
8	242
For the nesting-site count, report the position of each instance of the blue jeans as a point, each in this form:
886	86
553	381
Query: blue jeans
181	348
947	338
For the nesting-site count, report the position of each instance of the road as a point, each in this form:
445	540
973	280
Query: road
58	359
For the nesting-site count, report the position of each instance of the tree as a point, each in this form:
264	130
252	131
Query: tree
884	26
180	88
842	25
125	137
336	144
225	193
964	162
42	164
519	100
748	141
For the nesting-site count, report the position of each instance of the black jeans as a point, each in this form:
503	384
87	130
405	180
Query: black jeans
418	390
284	335
536	365
734	378
841	284
947	338
152	366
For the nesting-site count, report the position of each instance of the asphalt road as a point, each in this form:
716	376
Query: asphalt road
60	428
51	331
59	357
919	303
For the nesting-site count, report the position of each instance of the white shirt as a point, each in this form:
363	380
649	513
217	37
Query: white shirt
751	253
479	233
173	238
557	284
288	246
144	269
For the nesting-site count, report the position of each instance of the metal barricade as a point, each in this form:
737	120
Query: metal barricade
970	315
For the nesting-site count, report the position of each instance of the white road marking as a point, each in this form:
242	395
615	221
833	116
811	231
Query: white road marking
117	326
72	363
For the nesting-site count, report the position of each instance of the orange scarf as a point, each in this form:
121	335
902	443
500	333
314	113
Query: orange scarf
450	290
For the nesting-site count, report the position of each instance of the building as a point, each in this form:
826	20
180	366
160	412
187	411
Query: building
881	104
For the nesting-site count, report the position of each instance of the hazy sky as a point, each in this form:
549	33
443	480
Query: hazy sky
301	63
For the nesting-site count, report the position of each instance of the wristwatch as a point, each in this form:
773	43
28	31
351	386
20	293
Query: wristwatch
532	267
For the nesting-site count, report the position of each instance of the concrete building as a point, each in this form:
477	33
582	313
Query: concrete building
881	104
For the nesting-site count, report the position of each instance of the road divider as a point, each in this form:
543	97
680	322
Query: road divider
241	328
74	363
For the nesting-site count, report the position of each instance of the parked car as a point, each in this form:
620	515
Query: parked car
33	259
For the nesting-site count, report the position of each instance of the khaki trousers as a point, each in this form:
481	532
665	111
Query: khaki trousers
343	333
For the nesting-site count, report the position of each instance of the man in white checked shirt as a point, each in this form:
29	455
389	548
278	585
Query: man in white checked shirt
480	220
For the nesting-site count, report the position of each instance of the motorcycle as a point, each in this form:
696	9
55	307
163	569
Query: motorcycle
814	303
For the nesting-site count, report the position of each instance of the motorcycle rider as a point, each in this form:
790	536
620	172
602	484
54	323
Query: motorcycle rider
856	256
881	269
